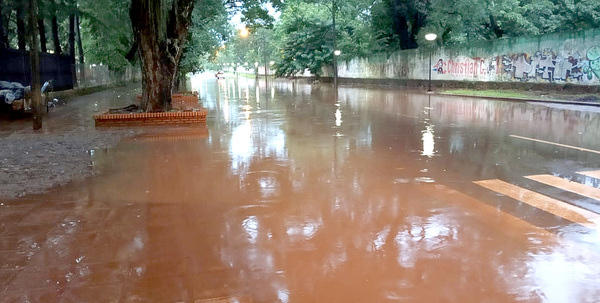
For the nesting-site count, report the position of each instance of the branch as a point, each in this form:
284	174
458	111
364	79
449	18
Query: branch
130	56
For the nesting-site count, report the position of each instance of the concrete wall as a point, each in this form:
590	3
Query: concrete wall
568	57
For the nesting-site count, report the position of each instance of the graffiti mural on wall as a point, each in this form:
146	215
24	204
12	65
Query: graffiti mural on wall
543	66
549	66
593	68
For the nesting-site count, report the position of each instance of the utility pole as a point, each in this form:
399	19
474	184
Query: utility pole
264	41
430	37
80	50
34	59
335	71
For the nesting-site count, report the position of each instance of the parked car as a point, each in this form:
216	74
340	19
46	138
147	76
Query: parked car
220	75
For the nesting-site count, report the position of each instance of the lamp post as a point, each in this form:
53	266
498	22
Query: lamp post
335	72
336	53
430	37
264	44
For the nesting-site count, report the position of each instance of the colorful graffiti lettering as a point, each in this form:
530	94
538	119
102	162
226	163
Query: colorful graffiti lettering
593	54
463	67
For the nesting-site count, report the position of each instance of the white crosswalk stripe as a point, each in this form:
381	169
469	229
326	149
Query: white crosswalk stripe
556	207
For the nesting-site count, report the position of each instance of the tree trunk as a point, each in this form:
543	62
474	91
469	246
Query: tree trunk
160	40
406	22
132	53
35	66
79	44
72	37
419	21
497	30
21	31
42	31
3	37
80	50
54	28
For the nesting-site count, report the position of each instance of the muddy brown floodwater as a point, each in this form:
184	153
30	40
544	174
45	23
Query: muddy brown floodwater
301	194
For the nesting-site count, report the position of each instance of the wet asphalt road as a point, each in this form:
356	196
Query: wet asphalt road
296	193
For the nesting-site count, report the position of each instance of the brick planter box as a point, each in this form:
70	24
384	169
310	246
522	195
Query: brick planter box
196	117
187	111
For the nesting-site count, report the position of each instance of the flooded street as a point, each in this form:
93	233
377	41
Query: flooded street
297	193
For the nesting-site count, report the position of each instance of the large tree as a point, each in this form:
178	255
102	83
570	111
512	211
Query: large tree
160	35
161	29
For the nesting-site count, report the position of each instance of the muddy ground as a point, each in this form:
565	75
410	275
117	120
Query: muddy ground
32	162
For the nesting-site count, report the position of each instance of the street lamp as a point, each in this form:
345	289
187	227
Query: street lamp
335	71
244	32
430	37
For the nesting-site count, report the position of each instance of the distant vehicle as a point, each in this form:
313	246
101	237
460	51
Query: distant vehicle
220	75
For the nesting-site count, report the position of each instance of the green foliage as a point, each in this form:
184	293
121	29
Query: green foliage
575	14
208	31
106	32
306	35
467	20
306	38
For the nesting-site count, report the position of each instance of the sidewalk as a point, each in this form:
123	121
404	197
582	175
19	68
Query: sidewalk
32	162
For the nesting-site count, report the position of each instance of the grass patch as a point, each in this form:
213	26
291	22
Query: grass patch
537	95
490	93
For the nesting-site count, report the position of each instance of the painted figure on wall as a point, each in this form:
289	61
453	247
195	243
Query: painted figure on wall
439	66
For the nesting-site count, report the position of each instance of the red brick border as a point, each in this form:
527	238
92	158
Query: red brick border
142	119
185	97
179	98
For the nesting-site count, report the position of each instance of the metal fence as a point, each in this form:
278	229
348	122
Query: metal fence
14	67
90	75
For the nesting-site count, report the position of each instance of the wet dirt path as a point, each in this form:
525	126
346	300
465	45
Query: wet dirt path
299	195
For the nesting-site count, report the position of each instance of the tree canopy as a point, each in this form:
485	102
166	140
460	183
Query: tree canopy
300	36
